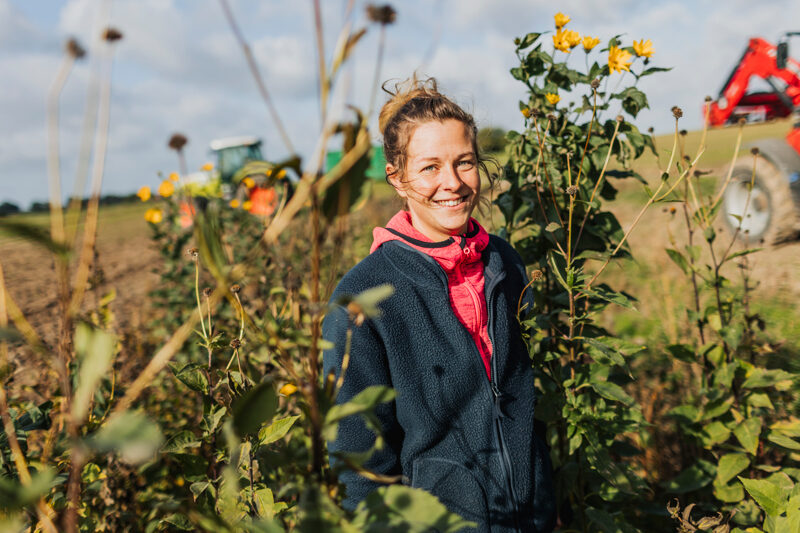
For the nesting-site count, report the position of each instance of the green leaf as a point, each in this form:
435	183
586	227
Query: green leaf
199	487
604	354
729	493
15	496
603	520
266	505
783	441
365	400
684	352
612	391
717	408
715	433
254	408
761	377
192	375
402	508
528	40
181	441
553	226
679	260
276	431
95	349
131	434
759	399
748	433
730	465
179	521
768	495
743	252
695	477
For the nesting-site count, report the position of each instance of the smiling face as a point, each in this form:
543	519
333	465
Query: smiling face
440	183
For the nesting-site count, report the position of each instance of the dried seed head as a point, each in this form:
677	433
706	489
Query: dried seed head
672	210
620	119
235	344
536	275
207	292
383	15
193	253
551	117
683	133
742	121
572	190
517	41
177	141
235	288
356	313
708	99
595	83
754	150
651	130
687	158
74	48
677	112
112	34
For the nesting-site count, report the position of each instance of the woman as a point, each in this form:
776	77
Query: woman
447	340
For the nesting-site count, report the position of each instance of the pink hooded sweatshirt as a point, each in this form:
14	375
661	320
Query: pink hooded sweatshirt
460	258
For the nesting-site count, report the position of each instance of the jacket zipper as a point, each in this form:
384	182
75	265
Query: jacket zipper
498	415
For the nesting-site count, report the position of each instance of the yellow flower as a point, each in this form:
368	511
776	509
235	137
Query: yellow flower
560	41
525	112
590	42
166	188
249	182
154	215
552	98
573	38
247	205
281	173
234	203
207	167
561	20
173	176
288	389
643	48
618	60
144	193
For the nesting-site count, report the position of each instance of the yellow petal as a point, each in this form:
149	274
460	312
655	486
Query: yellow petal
526	112
247	205
552	98
173	176
561	20
249	182
207	167
154	215
281	173
166	189
144	193
590	42
234	203
288	389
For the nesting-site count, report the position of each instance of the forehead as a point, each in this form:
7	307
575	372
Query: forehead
439	139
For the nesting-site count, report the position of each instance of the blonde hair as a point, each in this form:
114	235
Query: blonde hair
414	102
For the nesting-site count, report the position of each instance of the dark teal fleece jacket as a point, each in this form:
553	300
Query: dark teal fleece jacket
451	430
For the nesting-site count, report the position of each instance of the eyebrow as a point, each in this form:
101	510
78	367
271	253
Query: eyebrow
436	159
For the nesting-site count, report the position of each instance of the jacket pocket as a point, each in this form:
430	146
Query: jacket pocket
456	487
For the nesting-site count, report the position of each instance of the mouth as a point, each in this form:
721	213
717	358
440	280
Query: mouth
453	202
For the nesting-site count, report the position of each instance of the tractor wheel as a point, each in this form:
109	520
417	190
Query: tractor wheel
769	214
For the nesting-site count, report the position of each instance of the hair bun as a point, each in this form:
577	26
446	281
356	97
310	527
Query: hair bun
404	92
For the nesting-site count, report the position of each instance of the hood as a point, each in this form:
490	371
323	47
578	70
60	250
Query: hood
450	252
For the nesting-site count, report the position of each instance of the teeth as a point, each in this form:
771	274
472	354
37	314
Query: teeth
450	203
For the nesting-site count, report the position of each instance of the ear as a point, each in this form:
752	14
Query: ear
394	180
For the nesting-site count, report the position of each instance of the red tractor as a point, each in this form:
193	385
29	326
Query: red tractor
771	210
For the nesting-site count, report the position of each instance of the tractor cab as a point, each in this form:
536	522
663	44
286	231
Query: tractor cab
232	154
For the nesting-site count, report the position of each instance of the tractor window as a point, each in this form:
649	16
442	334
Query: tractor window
233	158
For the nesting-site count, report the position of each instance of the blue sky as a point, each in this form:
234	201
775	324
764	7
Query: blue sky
178	68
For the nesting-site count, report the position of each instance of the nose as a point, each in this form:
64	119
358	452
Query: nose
451	180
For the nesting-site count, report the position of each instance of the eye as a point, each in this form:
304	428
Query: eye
466	163
429	168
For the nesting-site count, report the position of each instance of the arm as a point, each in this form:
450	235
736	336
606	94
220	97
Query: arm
368	366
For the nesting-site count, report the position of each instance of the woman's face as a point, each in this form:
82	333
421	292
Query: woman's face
441	183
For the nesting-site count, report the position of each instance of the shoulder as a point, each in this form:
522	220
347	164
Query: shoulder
367	273
510	257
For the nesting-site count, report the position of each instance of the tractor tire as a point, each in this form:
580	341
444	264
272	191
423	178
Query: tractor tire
770	215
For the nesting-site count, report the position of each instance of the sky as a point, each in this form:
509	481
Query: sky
179	68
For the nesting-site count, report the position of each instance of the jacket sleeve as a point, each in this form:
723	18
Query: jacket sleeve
368	366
